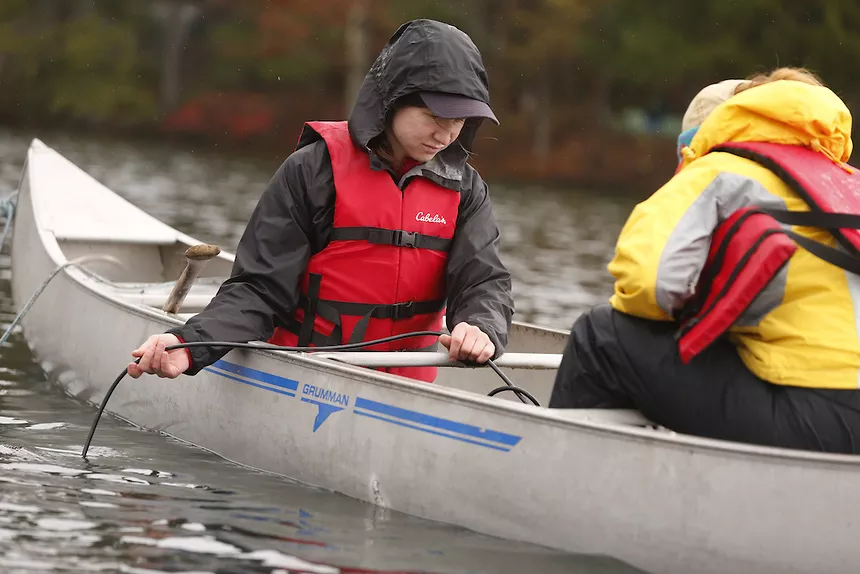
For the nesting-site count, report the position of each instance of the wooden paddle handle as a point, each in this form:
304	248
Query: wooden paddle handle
196	258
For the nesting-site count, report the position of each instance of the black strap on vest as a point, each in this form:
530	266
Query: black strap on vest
798	188
332	310
820	219
849	259
317	339
396	237
396	311
832	221
311	306
846	261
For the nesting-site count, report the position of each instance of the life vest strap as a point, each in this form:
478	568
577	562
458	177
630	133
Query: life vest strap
822	219
850	263
825	220
819	219
332	311
329	310
397	237
781	160
311	307
318	339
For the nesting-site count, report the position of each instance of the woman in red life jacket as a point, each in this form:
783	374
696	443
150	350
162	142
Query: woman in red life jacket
372	227
736	310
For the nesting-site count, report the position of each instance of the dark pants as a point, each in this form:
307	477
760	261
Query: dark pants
614	360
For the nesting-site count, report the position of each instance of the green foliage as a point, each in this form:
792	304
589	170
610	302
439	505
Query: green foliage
96	73
103	61
81	67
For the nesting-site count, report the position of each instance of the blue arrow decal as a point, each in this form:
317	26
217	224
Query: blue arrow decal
324	411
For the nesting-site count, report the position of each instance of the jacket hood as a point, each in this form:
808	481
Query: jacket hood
784	112
422	55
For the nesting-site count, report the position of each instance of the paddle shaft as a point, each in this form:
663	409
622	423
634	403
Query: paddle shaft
196	258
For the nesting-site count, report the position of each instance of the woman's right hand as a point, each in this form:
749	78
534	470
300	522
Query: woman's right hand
156	361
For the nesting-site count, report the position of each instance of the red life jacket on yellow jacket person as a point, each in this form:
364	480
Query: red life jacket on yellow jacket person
383	271
750	248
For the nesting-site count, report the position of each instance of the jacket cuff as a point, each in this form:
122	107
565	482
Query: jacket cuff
187	350
500	348
197	355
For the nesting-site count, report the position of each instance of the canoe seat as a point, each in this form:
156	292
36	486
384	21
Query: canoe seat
156	294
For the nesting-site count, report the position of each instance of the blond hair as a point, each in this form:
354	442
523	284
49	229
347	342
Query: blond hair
793	74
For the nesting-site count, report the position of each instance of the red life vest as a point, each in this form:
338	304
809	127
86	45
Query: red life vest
751	246
383	271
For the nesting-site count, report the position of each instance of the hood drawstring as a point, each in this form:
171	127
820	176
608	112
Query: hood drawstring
816	146
687	156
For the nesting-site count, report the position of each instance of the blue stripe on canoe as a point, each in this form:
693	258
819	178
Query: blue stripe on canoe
390	413
435	432
442	424
255	375
221	373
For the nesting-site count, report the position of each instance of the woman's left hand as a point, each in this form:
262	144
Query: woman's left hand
468	343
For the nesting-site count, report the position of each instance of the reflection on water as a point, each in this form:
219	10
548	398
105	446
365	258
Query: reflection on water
147	503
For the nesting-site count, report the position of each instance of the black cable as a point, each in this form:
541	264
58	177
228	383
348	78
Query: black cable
343	347
520	392
269	347
101	410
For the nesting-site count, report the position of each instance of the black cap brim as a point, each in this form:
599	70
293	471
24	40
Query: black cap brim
456	106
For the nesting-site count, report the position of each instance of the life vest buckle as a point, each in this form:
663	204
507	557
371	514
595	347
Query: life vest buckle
402	310
405	238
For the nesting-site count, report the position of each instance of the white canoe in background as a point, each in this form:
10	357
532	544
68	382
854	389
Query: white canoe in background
592	482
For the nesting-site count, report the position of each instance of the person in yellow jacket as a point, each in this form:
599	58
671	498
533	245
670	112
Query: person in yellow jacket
787	372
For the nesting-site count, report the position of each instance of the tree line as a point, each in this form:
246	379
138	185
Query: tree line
563	73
